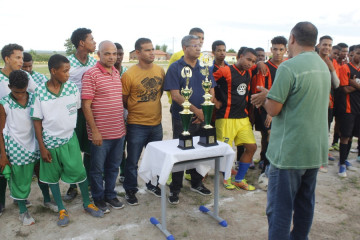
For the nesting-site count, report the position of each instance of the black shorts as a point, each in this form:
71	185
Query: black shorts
349	124
260	117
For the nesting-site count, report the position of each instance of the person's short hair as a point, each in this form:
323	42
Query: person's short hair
305	34
342	45
259	49
279	40
79	35
7	50
351	48
140	42
356	47
118	46
27	57
244	50
325	37
196	30
18	79
336	47
185	41
56	60
217	43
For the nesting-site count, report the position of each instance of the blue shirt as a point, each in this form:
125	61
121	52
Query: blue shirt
174	81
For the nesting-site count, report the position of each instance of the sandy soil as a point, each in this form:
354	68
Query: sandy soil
337	211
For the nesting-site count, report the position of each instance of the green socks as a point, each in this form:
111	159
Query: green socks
55	189
84	192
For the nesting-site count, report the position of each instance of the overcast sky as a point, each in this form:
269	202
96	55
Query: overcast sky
45	24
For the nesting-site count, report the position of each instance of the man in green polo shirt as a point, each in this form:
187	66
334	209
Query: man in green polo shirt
298	102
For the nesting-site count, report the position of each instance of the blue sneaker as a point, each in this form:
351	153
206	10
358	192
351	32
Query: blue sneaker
94	211
63	218
330	157
342	171
349	166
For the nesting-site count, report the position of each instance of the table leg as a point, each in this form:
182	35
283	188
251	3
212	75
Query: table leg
154	221
204	209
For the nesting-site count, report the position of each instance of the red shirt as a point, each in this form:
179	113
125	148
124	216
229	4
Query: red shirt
105	91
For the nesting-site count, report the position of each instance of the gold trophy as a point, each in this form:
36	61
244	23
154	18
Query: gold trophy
185	138
207	132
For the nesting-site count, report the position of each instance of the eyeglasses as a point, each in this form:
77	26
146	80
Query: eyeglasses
195	45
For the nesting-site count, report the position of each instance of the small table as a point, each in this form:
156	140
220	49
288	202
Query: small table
163	157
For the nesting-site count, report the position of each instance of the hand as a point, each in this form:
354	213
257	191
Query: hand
262	68
268	120
199	115
97	138
218	104
3	162
329	64
259	99
45	155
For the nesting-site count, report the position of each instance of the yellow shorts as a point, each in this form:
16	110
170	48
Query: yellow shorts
238	130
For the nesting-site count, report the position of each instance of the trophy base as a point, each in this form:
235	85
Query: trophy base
208	137
185	142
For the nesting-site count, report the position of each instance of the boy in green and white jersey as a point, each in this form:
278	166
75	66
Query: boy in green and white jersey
18	147
28	67
54	111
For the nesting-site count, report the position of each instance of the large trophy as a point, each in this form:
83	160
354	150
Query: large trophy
185	138
207	132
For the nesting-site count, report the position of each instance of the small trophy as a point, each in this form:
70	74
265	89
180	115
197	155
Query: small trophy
185	138
207	132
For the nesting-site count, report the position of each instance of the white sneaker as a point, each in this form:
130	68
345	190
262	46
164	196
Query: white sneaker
350	167
26	219
323	169
263	181
342	171
354	150
52	206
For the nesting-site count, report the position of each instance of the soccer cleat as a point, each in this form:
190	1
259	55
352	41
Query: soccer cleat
243	185
256	161
201	190
63	218
331	148
70	194
26	219
187	176
342	171
169	181
228	185
94	211
323	169
336	147
263	181
173	198
52	206
131	198
349	166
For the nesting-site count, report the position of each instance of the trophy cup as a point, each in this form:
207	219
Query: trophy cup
185	138
207	132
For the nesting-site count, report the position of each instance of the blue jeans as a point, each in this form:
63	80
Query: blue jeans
290	196
137	137
105	163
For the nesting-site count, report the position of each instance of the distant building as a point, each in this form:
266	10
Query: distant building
230	58
159	55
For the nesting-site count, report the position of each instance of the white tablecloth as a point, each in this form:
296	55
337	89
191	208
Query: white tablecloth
159	159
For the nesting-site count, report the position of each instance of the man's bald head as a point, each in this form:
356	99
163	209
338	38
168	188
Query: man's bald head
107	53
305	34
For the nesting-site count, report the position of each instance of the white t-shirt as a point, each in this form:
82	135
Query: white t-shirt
4	84
58	113
77	69
19	135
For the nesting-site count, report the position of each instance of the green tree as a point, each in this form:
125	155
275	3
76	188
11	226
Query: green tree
69	47
164	48
157	47
231	50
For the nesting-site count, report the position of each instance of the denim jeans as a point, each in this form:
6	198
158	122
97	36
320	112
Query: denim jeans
137	137
105	163
290	197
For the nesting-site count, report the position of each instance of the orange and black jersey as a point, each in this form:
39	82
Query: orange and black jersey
349	102
264	81
233	92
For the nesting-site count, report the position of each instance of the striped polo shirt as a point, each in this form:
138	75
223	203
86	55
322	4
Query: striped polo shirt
105	91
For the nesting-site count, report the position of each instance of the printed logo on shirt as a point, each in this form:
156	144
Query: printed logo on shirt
71	108
226	140
149	89
241	89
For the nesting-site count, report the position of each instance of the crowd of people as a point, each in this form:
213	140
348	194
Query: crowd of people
92	118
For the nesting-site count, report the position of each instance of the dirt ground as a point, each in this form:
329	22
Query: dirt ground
337	211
